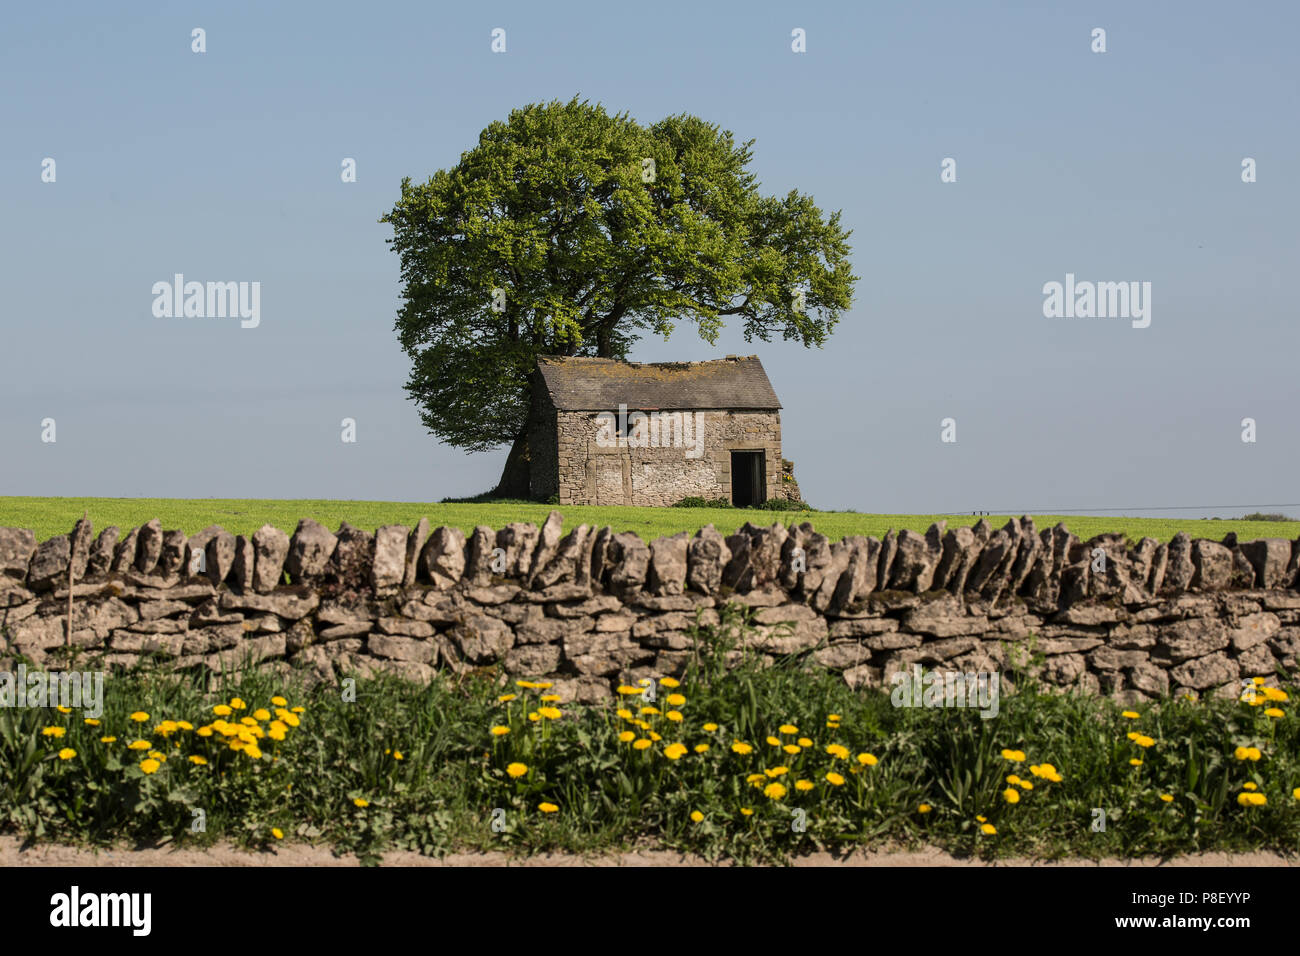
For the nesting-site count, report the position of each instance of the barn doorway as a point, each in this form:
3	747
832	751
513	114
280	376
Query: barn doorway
748	478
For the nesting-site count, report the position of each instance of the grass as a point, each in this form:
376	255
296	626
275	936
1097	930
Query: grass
52	516
406	767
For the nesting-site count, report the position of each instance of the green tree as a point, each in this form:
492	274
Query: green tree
568	231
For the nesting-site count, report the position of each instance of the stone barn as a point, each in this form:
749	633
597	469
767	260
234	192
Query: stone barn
605	432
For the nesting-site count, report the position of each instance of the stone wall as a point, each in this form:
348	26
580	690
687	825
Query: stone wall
589	474
591	608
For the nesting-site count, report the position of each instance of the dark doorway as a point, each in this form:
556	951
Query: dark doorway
748	478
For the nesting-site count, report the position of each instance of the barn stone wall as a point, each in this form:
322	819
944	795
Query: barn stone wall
591	609
592	474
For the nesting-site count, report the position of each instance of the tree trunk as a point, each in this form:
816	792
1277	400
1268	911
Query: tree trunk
515	477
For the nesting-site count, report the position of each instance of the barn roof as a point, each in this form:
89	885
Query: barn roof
599	384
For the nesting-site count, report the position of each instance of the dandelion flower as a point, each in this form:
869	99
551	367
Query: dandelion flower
108	740
1015	756
1143	741
517	769
261	714
675	716
627	691
774	741
278	701
697	816
923	808
627	736
92	722
804	742
67	753
548	807
671	682
834	779
867	760
277	833
774	791
741	748
139	745
237	703
550	698
710	728
63	710
804	785
642	744
834	717
149	765
988	829
1252	799
838	751
788	729
624	713
673	751
139	716
550	713
361	802
777	771
54	731
198	761
792	749
1131	714
1011	795
746	811
701	748
506	698
1274	712
222	710
1135	762
676	700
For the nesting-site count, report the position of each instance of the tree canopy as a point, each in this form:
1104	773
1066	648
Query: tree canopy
570	231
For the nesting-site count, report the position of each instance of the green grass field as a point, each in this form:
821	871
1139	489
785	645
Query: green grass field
52	516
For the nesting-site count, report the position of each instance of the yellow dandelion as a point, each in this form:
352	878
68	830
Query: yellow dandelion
91	722
923	808
550	713
675	716
63	710
867	760
277	833
1015	756
361	802
671	682
673	751
834	779
54	731
517	769
774	741
1167	797
774	791
261	714
804	785
279	701
548	808
710	728
550	698
1011	795
788	729
792	749
777	771
642	743
149	765
1274	712
701	748
988	829
838	752
108	740
1131	714
676	700
746	811
67	753
198	761
697	817
237	703
741	748
139	716
139	745
506	698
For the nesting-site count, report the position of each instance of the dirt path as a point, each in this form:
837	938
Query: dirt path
12	854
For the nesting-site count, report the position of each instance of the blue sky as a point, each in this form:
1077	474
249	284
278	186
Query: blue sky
1122	166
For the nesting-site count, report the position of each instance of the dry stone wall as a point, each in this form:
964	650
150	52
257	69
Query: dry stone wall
590	608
